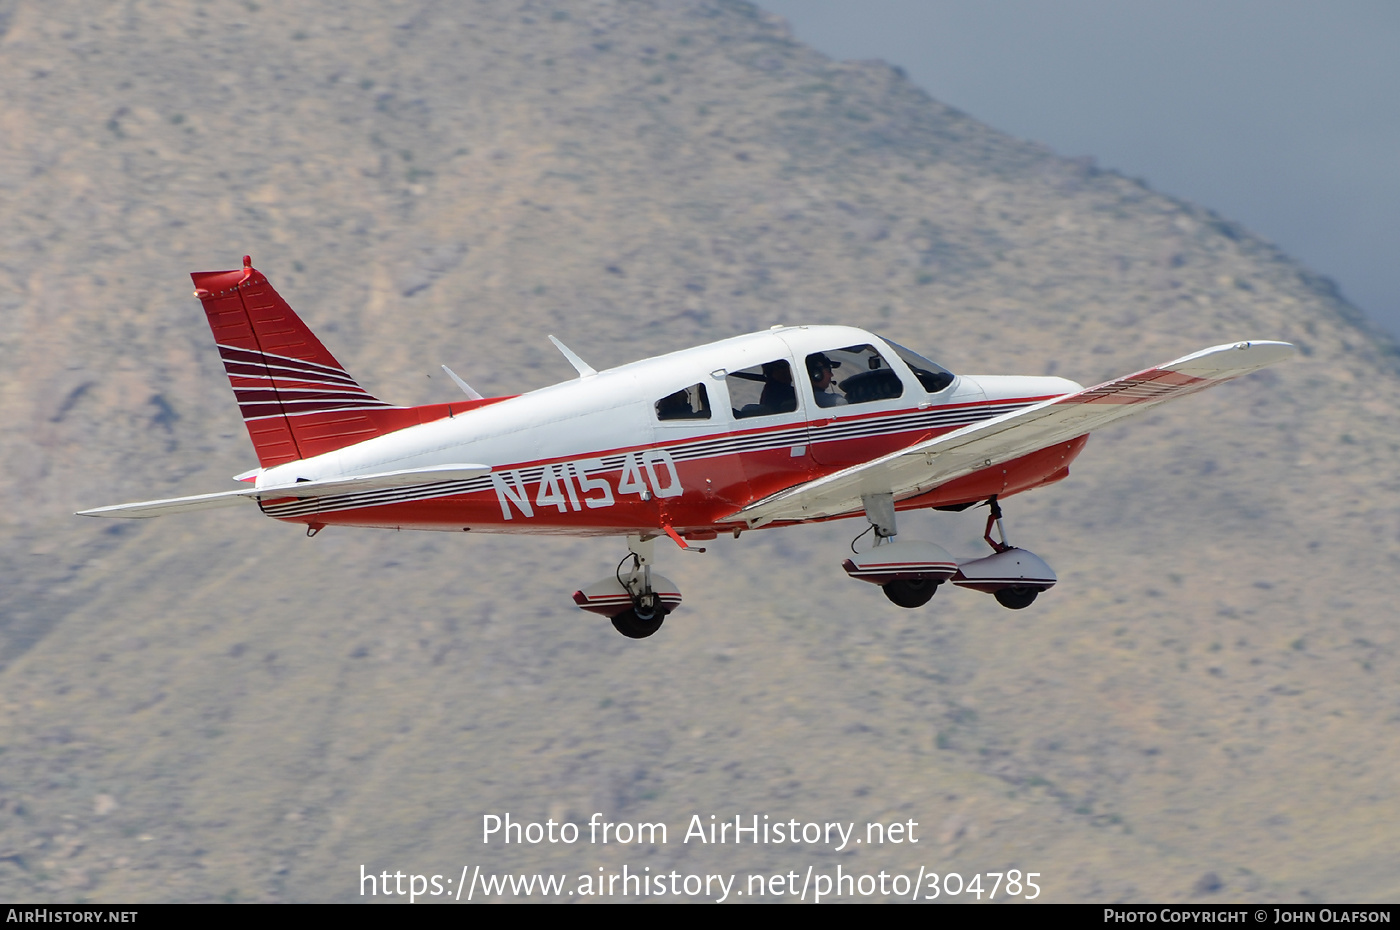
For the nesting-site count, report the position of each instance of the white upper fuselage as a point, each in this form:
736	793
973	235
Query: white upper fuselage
616	409
792	425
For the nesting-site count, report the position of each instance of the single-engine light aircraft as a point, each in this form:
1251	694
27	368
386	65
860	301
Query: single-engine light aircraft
793	425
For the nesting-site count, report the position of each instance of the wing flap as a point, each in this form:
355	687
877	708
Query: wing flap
926	465
326	487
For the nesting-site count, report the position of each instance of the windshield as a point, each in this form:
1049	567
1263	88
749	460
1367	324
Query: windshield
933	377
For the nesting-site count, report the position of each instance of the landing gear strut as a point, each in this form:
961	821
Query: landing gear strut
1015	577
646	614
908	572
636	599
1017	597
994	519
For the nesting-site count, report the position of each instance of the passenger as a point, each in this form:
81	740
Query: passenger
674	406
779	396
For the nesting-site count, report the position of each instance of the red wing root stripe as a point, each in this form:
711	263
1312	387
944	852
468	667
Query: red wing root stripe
1143	389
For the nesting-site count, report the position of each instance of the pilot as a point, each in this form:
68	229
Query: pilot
819	367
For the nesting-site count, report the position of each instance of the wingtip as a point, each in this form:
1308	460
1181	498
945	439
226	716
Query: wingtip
1268	351
1259	353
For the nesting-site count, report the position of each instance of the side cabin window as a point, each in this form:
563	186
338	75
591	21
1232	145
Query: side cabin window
690	403
762	390
851	375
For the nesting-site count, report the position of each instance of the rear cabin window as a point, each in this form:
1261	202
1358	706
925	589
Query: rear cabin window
690	403
763	390
851	375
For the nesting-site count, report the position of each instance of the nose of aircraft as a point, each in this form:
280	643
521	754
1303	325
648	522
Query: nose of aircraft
1005	387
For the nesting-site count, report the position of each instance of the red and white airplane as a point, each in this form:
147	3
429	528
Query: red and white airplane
793	425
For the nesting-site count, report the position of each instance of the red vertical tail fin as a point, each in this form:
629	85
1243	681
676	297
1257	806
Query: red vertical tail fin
296	399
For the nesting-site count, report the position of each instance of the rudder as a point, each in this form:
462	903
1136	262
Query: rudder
297	401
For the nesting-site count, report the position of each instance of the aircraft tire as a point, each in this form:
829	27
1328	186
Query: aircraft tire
1016	598
634	627
910	593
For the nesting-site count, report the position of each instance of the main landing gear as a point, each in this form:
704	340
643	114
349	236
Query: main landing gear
911	572
1015	577
636	598
908	572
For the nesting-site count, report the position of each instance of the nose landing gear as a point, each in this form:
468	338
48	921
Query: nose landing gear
639	623
910	572
636	600
1016	597
1015	577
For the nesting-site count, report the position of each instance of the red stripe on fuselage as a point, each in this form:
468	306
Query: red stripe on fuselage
716	483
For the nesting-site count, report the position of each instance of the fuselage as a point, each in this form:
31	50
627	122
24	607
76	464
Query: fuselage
681	440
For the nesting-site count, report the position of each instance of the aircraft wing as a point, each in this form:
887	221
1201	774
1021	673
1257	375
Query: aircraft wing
323	488
926	465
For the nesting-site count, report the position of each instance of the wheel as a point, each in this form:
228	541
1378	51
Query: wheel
910	593
1016	598
629	624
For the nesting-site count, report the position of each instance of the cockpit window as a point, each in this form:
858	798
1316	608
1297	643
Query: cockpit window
690	403
851	375
762	390
933	377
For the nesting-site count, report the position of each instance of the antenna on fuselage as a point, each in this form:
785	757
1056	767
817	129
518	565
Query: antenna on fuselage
583	368
467	389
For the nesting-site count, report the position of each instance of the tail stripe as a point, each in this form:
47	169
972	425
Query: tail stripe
257	357
249	370
269	385
309	394
264	411
297	401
